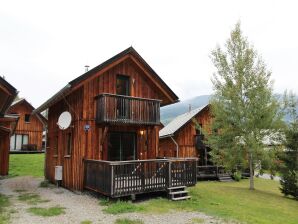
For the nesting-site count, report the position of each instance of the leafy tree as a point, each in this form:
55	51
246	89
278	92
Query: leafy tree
243	105
289	168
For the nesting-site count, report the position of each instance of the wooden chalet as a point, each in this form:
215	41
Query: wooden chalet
181	138
29	131
112	144
7	123
184	137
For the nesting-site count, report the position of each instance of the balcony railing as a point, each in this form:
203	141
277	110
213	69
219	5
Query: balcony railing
128	110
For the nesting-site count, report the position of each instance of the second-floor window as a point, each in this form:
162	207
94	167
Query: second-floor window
122	85
27	118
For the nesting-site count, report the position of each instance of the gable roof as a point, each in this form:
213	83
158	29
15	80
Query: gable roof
67	89
177	123
42	119
8	94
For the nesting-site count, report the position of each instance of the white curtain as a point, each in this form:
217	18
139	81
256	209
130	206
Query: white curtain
12	142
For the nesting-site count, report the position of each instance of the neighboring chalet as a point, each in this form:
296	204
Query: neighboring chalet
7	123
184	137
29	131
181	138
112	143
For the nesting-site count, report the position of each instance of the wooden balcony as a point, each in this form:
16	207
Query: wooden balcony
124	178
127	110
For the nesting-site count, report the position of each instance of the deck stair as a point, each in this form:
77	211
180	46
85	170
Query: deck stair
225	178
178	193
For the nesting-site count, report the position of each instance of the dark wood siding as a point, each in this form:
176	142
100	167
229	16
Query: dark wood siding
4	152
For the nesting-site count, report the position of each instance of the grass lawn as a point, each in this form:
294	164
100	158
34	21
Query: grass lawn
233	200
4	203
26	165
47	212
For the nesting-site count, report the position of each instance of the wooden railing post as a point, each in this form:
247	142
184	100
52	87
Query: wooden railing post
169	173
112	179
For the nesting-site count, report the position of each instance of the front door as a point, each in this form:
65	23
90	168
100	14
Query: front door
122	88
122	146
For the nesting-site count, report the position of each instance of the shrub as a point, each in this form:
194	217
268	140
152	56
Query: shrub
237	176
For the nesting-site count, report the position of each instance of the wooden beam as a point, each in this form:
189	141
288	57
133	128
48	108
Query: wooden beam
104	134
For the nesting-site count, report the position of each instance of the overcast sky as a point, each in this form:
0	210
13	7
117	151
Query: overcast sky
45	44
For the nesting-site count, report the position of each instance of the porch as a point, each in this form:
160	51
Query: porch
124	178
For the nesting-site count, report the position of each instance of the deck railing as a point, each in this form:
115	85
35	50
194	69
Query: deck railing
113	108
210	171
123	178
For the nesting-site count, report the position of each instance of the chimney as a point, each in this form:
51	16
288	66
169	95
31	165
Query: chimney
189	107
86	68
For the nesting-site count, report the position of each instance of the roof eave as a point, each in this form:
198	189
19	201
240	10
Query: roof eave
55	98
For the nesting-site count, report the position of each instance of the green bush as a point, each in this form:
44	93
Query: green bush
237	176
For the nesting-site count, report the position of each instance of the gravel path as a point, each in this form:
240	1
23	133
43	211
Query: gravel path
79	207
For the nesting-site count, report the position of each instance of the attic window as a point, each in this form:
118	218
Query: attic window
27	118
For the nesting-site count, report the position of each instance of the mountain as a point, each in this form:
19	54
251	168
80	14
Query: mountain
168	113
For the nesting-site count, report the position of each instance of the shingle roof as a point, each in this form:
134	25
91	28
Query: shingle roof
178	122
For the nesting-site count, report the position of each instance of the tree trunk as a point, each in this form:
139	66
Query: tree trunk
251	173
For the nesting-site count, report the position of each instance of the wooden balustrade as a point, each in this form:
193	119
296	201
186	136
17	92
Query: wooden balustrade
125	109
210	171
123	178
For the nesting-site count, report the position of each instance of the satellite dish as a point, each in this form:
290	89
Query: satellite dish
64	120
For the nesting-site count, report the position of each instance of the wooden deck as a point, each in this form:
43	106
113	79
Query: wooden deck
210	172
124	178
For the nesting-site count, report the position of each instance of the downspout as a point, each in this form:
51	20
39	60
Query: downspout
45	152
177	146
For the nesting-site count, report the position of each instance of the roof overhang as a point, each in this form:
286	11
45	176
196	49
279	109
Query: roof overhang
8	94
54	99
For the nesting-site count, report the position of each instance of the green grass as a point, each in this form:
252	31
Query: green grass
230	201
26	165
47	212
197	221
122	207
4	204
31	198
86	222
128	221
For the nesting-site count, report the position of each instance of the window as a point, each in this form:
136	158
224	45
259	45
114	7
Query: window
27	118
122	85
56	145
17	141
68	144
122	146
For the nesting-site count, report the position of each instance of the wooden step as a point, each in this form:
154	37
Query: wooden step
181	198
174	188
178	192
